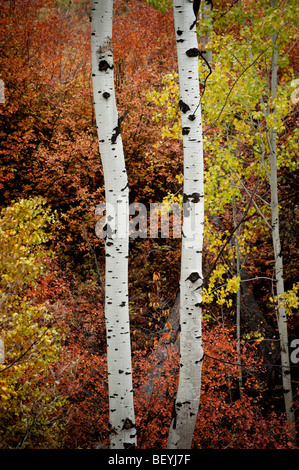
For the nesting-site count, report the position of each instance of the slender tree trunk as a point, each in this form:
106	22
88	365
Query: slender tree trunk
238	296
121	407
191	352
281	311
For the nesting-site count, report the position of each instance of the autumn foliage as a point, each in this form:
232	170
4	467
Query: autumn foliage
53	384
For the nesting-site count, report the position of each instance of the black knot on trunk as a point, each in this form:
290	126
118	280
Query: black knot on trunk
193	277
183	106
104	66
193	52
194	197
185	130
128	424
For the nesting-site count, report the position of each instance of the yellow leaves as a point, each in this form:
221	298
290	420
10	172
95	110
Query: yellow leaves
29	342
233	284
180	178
172	199
219	291
274	122
167	99
292	299
22	226
255	336
289	301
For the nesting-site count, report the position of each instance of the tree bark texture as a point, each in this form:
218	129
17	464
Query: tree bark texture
191	352
121	406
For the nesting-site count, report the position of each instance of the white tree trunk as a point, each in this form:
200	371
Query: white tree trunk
191	352
281	311
121	407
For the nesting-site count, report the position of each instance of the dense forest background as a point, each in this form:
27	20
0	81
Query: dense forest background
53	387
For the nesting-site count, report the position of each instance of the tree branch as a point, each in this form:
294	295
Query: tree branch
234	84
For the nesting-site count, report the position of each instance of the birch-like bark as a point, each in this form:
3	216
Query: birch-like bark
191	352
121	407
281	311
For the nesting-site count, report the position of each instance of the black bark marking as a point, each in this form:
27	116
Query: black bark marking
192	117
196	6
116	130
199	305
193	52
129	445
179	32
193	277
106	95
174	415
104	66
107	230
194	197
184	107
186	130
128	424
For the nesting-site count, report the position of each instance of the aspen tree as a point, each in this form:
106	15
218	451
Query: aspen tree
191	352
279	278
121	406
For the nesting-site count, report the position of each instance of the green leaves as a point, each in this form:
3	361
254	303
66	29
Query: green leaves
161	5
